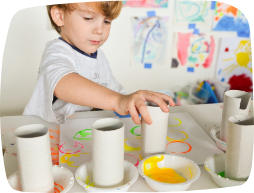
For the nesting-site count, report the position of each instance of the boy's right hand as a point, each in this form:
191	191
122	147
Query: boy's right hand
134	104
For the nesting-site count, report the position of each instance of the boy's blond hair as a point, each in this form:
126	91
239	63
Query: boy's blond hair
110	9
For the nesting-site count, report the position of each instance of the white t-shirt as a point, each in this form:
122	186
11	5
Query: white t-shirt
59	59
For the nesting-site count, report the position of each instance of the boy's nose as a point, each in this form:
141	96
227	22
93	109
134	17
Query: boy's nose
98	29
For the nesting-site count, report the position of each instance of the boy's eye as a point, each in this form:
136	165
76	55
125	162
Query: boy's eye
107	22
86	18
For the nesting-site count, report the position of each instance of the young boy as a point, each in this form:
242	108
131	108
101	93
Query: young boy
74	74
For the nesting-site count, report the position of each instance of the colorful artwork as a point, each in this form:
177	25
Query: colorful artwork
192	11
229	18
235	63
149	39
145	3
194	50
185	138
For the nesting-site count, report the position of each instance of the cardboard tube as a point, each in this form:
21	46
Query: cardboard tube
235	103
34	158
154	136
108	152
239	147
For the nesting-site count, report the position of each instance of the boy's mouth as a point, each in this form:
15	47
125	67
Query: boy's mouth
94	42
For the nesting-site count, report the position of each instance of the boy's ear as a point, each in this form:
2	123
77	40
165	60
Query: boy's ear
57	16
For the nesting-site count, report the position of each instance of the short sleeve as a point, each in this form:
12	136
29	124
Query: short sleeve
56	62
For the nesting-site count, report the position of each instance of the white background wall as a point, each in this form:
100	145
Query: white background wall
30	30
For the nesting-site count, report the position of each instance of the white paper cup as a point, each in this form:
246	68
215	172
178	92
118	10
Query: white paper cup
108	152
235	102
34	158
154	136
239	147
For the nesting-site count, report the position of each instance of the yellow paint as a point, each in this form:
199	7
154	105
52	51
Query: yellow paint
226	60
165	175
169	139
243	56
194	48
69	156
190	173
141	158
180	122
201	56
128	148
207	168
87	182
78	178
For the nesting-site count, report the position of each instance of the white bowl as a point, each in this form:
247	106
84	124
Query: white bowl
215	134
215	164
61	175
183	166
84	176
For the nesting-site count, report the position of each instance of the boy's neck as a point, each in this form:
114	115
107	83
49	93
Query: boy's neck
92	55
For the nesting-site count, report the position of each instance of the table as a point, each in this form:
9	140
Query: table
207	116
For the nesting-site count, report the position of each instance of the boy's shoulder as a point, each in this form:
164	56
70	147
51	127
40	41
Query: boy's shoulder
57	45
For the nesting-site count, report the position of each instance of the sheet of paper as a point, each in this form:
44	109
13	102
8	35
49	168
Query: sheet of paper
197	12
234	65
146	3
184	138
149	40
193	51
229	18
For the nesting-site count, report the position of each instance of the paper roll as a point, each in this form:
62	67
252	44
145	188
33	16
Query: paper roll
239	147
235	103
34	158
108	152
154	136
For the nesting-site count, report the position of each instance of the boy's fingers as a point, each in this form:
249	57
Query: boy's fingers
141	107
134	115
164	97
157	100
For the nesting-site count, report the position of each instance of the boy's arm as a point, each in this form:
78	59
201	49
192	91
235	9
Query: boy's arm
76	89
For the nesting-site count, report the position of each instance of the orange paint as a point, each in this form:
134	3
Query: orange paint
219	4
51	137
56	190
180	142
216	18
232	10
59	186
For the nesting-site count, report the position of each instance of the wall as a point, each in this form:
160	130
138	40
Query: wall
30	30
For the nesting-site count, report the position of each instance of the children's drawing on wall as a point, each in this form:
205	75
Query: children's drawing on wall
149	40
234	64
192	11
193	51
145	3
229	18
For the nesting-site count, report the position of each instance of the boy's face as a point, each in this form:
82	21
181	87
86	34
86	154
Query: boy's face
85	28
